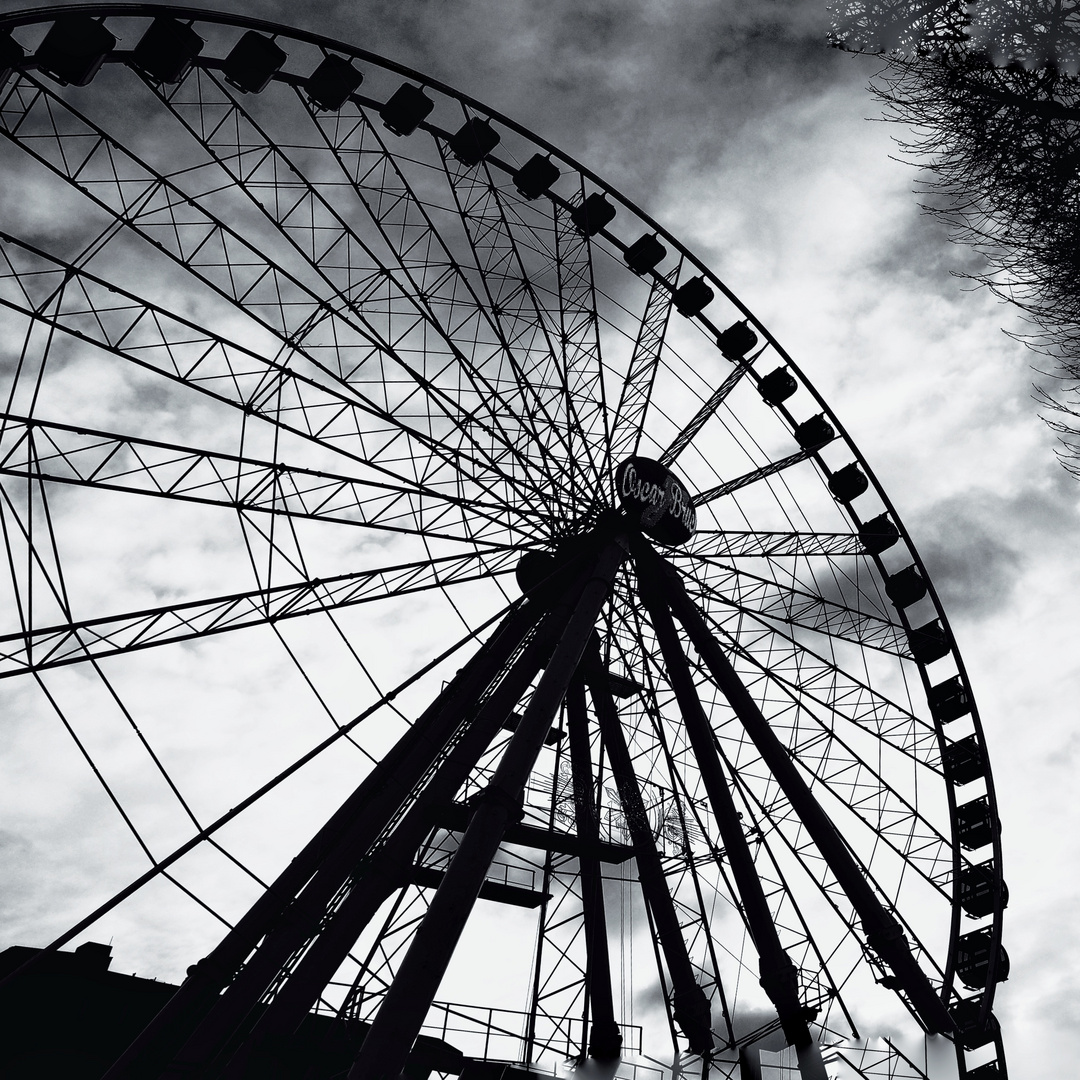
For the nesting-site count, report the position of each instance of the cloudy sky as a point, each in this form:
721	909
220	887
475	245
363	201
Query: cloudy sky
733	126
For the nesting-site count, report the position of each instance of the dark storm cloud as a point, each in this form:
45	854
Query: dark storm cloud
977	544
593	77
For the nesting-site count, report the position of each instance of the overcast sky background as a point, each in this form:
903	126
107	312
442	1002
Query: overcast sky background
734	126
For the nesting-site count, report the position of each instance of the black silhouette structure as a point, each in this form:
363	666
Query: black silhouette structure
707	737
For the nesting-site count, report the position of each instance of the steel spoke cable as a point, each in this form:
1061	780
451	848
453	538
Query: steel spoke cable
792	606
280	373
800	648
290	342
297	178
62	596
161	865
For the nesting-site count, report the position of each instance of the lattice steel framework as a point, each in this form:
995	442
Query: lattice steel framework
325	358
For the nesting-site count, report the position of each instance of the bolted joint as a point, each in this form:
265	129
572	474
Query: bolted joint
605	1042
884	937
692	1013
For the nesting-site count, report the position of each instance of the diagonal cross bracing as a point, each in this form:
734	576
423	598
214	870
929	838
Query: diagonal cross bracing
89	639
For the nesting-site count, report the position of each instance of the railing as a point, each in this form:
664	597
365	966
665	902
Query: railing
498	1034
500	872
660	806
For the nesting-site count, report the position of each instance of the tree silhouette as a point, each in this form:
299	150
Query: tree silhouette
991	91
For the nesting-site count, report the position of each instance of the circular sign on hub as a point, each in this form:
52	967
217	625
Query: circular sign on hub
656	500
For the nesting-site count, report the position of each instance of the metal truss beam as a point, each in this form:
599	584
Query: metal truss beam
883	933
741	544
703	498
86	457
308	220
636	395
85	307
408	999
701	417
47	647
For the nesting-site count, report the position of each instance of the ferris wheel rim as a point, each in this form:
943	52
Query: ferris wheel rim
25	17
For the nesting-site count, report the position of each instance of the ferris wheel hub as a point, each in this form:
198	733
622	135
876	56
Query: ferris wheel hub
656	500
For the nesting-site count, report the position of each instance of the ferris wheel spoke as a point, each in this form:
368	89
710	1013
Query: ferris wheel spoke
500	326
489	218
185	231
703	498
85	457
793	664
57	295
744	543
302	212
628	422
775	604
560	329
578	331
75	642
702	416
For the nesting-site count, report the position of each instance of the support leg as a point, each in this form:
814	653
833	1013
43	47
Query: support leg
392	864
691	1006
883	933
779	978
605	1038
372	801
407	1001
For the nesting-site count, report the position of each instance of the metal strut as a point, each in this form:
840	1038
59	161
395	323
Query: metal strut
326	859
406	1003
690	1005
376	875
883	933
779	977
605	1038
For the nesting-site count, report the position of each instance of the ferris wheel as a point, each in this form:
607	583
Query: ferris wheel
380	485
